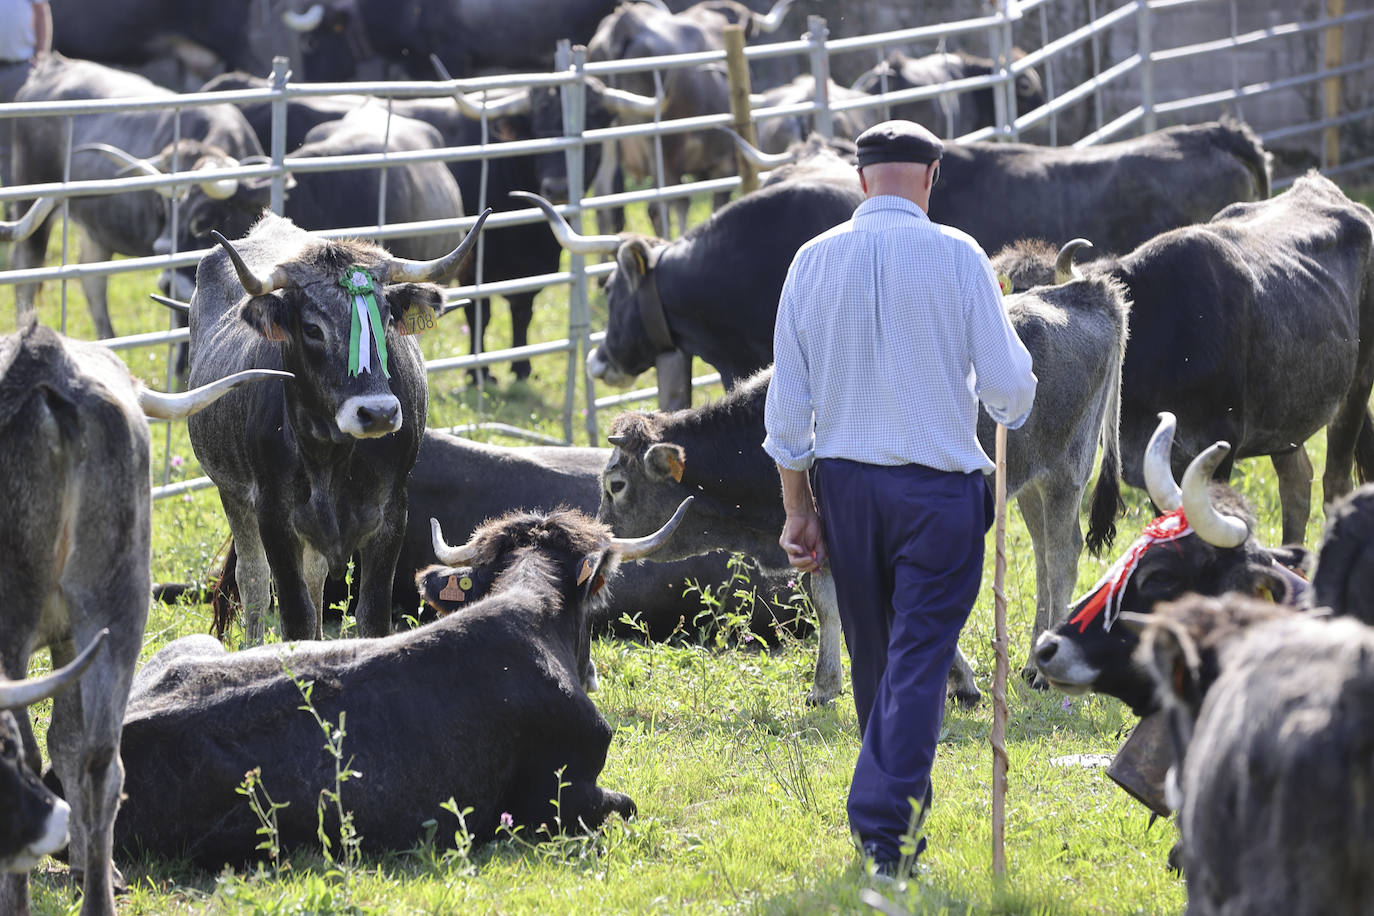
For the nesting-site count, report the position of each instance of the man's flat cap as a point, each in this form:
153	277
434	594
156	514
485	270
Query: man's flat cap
898	141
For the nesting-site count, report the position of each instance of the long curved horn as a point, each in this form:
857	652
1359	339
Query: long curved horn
773	20
634	548
253	284
23	227
128	160
757	156
162	406
404	270
475	107
570	239
1219	530
450	556
175	305
627	103
1159	471
18	694
1064	267
308	21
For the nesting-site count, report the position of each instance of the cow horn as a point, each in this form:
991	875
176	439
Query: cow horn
757	156
658	5
23	227
772	21
253	284
18	694
308	21
473	106
128	160
1219	530
451	556
1064	267
222	188
634	548
404	270
175	305
624	102
617	441
574	241
1159	469
162	406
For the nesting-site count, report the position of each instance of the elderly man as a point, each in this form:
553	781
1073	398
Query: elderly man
890	330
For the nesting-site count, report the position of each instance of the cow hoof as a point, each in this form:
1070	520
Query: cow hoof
487	377
521	367
819	697
1034	679
967	698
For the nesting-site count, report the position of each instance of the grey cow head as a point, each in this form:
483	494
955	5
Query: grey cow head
339	310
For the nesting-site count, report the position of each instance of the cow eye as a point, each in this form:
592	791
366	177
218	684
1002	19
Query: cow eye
617	487
314	332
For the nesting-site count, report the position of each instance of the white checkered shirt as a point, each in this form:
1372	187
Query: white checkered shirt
890	330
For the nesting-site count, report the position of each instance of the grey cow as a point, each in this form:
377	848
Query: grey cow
311	472
75	528
1076	333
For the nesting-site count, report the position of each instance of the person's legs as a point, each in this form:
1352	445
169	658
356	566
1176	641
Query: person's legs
933	529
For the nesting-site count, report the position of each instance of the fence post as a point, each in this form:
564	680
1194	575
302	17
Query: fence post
816	33
574	100
738	69
1335	54
1010	12
281	72
999	65
1145	44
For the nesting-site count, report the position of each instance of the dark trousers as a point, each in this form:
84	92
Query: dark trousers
906	550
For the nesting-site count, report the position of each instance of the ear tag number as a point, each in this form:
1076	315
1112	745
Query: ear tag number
416	320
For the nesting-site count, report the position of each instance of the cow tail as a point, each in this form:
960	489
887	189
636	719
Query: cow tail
1243	143
1106	500
224	595
1364	449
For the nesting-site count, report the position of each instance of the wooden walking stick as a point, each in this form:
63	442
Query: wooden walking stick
1001	663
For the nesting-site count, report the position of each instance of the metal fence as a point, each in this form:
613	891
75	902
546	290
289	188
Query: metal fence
1000	31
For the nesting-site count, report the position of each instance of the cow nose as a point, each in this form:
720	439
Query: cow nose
372	417
1045	649
369	416
162	245
554	190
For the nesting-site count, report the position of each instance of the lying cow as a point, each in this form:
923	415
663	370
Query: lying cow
1203	543
1272	717
75	531
1075	332
485	706
312	472
1227	317
33	821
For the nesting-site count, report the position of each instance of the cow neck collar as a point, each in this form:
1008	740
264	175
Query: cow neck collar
651	313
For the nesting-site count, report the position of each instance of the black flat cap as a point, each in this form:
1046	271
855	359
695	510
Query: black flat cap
898	141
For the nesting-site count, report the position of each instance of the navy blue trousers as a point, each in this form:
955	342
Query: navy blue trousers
906	550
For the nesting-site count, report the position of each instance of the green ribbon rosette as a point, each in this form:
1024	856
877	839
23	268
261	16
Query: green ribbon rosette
358	282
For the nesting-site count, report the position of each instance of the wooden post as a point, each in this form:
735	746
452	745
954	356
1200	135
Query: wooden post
1335	54
674	370
738	69
1001	664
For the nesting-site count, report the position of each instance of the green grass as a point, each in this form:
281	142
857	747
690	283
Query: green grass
740	786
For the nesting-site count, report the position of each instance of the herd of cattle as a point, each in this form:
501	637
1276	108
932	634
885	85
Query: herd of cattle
1221	323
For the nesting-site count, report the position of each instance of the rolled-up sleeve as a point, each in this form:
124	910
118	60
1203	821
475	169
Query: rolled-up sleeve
1005	380
789	417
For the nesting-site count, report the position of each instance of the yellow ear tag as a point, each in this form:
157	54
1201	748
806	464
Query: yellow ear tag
1264	594
454	591
585	572
416	320
465	583
639	261
1005	282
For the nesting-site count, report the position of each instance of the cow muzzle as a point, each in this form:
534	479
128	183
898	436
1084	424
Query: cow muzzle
602	369
52	839
369	416
1063	664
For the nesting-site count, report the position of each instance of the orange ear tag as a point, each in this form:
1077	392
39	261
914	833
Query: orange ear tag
675	468
585	573
416	320
452	591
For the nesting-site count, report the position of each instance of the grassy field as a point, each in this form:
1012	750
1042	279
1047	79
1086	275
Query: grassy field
740	786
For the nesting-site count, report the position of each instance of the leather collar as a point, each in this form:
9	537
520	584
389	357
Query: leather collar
651	306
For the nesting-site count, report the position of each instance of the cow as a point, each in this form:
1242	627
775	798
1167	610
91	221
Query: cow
1226	317
1272	723
1076	334
303	113
1343	570
211	136
713	292
463	483
1204	543
955	114
776	134
33	821
470	36
488	703
311	472
650	30
75	529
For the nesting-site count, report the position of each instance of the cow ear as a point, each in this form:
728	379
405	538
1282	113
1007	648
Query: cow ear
450	588
665	459
267	315
1170	655
633	258
592	572
414	306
